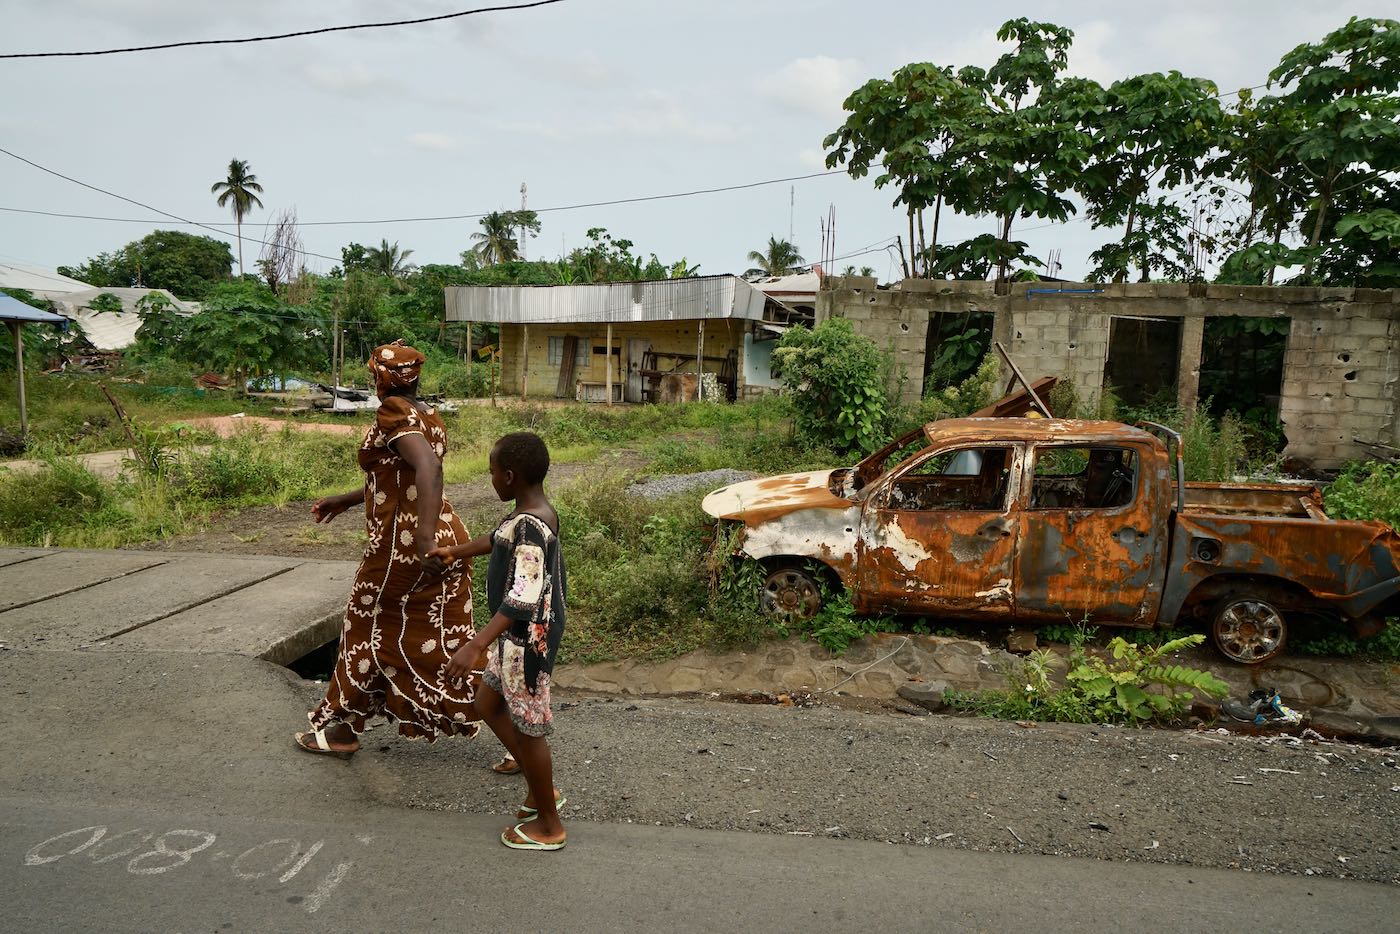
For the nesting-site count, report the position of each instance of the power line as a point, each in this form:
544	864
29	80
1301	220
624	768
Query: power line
285	35
140	204
461	217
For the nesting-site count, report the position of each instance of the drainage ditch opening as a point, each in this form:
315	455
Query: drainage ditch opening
318	664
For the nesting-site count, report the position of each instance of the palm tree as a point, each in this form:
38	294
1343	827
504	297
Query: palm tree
495	242
241	188
389	260
778	259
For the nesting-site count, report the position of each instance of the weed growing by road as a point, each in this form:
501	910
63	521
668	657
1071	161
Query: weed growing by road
1124	684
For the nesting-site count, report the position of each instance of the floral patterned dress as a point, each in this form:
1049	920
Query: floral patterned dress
402	624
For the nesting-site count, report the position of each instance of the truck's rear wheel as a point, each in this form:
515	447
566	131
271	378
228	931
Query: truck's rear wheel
1248	629
791	593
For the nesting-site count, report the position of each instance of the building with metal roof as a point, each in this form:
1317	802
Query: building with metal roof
655	340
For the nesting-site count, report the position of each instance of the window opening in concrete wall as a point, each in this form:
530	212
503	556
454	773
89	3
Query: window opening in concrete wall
1141	368
955	345
1242	366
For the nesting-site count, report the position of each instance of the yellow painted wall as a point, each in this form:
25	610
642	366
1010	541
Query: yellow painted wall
665	337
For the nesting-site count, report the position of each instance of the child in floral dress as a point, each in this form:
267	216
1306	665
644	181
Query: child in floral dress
525	588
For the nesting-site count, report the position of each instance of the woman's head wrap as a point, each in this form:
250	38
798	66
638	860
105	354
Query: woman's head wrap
395	366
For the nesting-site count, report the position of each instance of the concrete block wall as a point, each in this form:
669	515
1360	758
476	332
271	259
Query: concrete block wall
1341	371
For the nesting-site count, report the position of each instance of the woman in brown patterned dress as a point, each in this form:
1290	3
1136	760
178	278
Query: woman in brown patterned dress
408	612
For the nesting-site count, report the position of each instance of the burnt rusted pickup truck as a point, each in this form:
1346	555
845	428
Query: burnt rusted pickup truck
1050	520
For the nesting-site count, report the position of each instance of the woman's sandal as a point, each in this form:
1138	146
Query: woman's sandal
526	813
517	839
507	766
322	745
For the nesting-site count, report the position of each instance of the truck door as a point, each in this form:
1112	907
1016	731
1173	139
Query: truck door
1092	536
937	536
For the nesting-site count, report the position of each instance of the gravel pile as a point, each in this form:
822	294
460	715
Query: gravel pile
671	484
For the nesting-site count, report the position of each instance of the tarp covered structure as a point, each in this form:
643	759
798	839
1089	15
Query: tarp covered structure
16	314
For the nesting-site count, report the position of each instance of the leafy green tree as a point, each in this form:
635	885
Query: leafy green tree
105	302
834	378
239	191
1151	131
163	330
919	126
1344	116
187	265
778	258
1006	141
1034	144
977	257
243	329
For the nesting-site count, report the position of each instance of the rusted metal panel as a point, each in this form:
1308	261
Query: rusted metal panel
1104	564
1255	499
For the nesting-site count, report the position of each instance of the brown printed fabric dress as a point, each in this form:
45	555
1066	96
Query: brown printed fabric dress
402	624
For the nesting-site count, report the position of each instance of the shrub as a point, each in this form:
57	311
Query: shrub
834	378
36	507
1366	490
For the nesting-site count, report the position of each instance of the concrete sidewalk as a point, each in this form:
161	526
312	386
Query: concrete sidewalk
272	608
160	792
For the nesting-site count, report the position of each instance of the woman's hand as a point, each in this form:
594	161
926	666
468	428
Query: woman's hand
462	661
327	508
425	543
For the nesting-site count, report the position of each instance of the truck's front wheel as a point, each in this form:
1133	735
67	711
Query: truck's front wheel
1248	629
791	593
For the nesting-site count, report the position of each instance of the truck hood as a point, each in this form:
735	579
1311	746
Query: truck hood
759	500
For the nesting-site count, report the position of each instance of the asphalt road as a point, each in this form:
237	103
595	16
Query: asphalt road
98	868
159	793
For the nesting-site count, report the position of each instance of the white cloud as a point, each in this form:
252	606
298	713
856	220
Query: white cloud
814	158
435	142
655	115
354	80
815	85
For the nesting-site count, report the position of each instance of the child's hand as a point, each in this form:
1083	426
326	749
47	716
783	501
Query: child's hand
436	561
460	666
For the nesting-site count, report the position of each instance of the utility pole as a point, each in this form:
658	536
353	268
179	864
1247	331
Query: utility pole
792	206
522	226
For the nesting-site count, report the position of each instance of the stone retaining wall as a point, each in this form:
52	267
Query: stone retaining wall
878	665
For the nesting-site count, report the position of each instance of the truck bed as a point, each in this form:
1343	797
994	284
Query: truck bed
1294	501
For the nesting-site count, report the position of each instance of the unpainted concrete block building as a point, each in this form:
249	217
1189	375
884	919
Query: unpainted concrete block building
1339	368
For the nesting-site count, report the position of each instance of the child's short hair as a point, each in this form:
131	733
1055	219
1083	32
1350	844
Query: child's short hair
525	453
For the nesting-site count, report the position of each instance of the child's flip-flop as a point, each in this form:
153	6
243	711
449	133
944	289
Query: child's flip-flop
523	841
527	813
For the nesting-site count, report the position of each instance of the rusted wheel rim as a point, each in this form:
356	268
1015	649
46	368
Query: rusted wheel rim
791	594
1249	631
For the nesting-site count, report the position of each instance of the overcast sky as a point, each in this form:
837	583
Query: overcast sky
585	100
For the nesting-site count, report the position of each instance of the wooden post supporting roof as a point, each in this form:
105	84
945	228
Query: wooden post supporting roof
700	361
607	365
18	330
525	363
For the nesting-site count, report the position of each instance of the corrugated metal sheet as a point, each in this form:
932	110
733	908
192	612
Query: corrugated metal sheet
12	309
691	299
112	330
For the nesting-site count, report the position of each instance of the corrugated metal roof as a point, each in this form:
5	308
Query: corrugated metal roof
37	279
12	309
699	297
111	330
